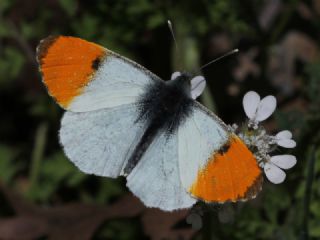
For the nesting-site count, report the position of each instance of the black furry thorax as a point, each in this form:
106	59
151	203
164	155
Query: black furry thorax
165	105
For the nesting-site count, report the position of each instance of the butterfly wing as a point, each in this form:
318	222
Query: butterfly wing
99	89
83	76
100	142
215	165
156	178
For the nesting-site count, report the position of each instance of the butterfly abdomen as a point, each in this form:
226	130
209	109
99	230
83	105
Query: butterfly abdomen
142	146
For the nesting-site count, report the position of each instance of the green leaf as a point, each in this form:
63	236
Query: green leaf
155	20
276	199
315	209
109	188
6	5
69	6
11	64
27	30
315	229
56	170
114	230
8	167
139	7
86	27
4	31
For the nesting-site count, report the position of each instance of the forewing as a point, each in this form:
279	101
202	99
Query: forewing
215	165
156	179
83	76
100	142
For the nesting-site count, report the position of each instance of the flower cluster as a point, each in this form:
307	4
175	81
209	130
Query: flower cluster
260	142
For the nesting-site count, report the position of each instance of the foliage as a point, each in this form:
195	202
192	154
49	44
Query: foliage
32	162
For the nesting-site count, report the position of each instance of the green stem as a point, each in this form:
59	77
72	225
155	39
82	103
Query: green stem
37	154
304	234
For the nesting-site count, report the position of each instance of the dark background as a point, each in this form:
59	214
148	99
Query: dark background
43	196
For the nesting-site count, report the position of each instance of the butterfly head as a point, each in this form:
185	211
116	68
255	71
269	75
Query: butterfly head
194	84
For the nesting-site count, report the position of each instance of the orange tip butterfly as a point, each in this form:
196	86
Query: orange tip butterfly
121	119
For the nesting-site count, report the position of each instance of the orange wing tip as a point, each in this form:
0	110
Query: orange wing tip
43	47
231	174
67	65
253	190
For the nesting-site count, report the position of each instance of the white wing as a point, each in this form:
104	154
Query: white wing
83	76
199	137
100	142
156	179
117	81
215	165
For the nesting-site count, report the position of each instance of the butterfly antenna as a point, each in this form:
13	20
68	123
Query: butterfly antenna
178	56
219	58
172	34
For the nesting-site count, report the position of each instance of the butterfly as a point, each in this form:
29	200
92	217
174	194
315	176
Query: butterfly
123	120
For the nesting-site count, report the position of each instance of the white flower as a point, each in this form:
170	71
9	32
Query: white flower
175	75
273	168
260	142
284	139
198	85
258	109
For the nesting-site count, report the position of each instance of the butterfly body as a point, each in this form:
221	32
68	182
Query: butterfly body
121	119
163	107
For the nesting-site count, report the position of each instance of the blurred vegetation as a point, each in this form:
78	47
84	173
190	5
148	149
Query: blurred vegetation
279	55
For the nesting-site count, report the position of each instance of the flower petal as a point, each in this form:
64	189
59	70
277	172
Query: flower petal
273	173
175	75
266	108
284	161
250	103
198	84
284	135
287	143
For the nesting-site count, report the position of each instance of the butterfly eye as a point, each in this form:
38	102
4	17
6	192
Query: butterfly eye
175	75
198	84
